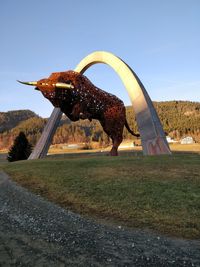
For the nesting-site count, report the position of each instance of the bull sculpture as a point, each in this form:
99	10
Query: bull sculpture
78	98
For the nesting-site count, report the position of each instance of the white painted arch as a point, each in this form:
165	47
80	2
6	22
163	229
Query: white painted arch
151	131
150	128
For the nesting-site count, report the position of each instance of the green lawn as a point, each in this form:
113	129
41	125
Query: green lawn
157	192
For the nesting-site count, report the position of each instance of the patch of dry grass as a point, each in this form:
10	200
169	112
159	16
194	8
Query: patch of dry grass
185	147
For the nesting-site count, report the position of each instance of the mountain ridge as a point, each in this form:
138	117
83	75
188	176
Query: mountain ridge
179	118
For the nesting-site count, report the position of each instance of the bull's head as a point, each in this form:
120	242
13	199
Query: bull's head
46	85
53	87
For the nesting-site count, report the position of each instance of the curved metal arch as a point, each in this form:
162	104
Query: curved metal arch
150	128
151	131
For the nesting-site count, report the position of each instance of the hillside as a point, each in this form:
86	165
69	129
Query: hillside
179	118
10	119
183	116
32	128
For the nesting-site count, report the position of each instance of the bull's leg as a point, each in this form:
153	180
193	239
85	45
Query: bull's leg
115	133
76	111
113	124
116	142
79	111
86	115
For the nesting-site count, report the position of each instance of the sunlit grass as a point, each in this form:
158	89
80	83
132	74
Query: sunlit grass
160	193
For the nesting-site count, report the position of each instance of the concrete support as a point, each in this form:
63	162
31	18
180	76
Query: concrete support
42	146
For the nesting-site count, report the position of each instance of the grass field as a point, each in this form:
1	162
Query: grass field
126	145
160	193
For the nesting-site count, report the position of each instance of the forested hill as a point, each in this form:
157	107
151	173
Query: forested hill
10	119
179	119
181	115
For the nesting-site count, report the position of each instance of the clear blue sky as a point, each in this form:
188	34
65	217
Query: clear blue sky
159	39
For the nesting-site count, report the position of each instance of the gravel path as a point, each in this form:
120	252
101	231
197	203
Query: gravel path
35	232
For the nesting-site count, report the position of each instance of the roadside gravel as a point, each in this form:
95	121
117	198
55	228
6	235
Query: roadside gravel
35	232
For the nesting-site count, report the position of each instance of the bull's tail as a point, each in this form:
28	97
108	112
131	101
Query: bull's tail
130	131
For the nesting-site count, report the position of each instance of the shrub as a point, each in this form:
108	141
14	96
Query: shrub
21	148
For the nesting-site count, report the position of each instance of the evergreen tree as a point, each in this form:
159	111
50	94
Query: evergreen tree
21	148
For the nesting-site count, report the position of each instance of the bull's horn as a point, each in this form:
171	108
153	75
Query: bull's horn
64	85
28	83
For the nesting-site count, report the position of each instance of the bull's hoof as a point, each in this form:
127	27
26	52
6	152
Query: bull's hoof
113	153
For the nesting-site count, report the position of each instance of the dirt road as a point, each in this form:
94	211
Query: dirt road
35	232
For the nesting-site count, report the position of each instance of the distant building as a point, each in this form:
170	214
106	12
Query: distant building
170	140
187	140
71	146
